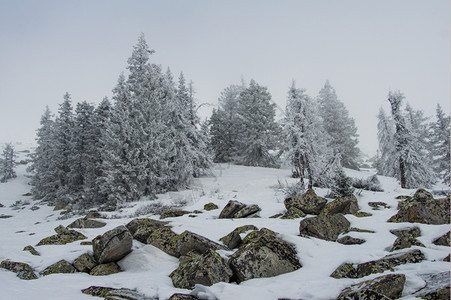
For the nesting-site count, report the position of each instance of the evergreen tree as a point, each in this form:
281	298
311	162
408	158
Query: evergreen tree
8	163
306	139
441	145
339	126
257	130
342	185
414	171
386	161
44	180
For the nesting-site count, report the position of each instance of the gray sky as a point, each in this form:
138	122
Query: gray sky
364	48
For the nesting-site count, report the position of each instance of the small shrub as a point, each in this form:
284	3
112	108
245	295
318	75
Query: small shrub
341	186
370	184
293	190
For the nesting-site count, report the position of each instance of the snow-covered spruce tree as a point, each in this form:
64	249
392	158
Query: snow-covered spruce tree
8	163
414	171
339	126
386	162
83	151
306	140
224	122
44	181
342	185
441	145
62	140
257	130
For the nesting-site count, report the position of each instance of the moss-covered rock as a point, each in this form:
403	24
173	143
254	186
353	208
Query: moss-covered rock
263	256
189	241
61	204
31	250
105	269
377	205
84	263
354	229
443	240
206	269
247	211
59	267
231	209
344	205
210	206
94	214
179	296
86	223
97	291
125	294
405	241
86	243
63	236
412	231
349	270
384	287
254	235
437	287
326	227
113	245
23	270
173	213
293	213
348	240
309	202
362	214
233	239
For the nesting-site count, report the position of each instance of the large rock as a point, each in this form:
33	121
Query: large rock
349	240
31	250
236	209
61	266
179	296
23	270
406	238
384	287
349	270
173	213
63	236
345	205
189	241
113	245
326	227
105	269
264	256
155	233
206	269
84	263
443	240
437	287
233	239
86	223
423	208
308	203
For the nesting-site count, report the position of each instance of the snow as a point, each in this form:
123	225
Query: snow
147	268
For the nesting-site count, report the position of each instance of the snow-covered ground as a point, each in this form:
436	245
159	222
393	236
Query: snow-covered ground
147	268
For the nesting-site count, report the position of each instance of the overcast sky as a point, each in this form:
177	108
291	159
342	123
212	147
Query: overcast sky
364	48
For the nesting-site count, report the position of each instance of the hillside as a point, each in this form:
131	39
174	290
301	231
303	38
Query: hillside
146	269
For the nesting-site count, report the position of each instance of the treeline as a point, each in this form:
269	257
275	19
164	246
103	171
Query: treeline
413	149
146	142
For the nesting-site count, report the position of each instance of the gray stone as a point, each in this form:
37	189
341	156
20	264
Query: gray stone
345	205
126	294
349	270
206	269
84	263
105	269
113	245
384	287
443	240
265	255
309	202
31	250
412	231
189	241
378	205
174	213
348	240
326	227
63	236
179	296
61	266
233	239
247	211
23	270
86	223
231	209
210	206
61	204
437	287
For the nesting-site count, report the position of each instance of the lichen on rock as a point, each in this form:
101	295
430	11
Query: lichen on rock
23	270
383	287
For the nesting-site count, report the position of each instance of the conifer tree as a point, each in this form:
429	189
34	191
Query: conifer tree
441	145
386	161
339	126
8	163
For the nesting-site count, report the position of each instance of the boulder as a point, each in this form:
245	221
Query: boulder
189	241
362	214
125	294
247	211
86	223
309	202
97	291
105	269
293	213
233	239
210	206
349	270
263	256
31	250
173	213
254	235
63	236
206	269
61	204
59	267
326	227
437	287
94	214
23	270
84	263
412	231
344	205
179	296
443	240
383	287
113	245
406	240
348	240
423	208
155	233
378	205
231	209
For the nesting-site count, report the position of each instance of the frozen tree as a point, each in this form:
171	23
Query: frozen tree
339	126
386	162
44	181
257	130
8	163
441	145
306	140
342	185
414	170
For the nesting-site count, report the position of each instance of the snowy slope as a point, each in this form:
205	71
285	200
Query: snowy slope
147	268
